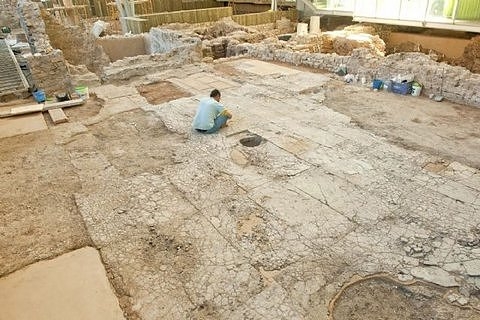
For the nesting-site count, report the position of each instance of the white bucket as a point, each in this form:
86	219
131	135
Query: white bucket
315	24
416	90
302	29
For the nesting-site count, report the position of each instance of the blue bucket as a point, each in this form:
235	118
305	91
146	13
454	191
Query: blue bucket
39	96
377	84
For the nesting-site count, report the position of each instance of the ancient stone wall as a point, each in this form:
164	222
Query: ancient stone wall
79	46
8	14
33	26
146	64
456	84
164	40
50	73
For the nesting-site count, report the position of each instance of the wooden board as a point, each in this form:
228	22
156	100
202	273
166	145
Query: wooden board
40	107
26	109
63	104
57	115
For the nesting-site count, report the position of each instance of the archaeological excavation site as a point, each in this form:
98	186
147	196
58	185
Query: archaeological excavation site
240	160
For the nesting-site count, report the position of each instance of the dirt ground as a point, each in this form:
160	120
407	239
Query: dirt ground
382	298
446	130
43	173
160	92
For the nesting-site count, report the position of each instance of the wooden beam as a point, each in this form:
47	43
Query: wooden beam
41	107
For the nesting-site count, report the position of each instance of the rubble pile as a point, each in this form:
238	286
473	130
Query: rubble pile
471	55
221	28
306	43
409	46
344	42
361	28
231	33
284	25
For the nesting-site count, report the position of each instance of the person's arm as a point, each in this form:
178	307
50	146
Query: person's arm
222	111
226	113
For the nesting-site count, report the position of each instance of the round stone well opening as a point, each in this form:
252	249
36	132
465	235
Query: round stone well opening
252	140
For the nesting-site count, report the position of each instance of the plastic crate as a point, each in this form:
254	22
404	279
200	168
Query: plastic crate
401	87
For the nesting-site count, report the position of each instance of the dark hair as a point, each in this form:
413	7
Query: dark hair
214	93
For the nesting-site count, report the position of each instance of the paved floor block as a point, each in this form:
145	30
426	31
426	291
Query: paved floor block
14	126
72	286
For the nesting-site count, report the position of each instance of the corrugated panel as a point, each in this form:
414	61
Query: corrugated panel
184	16
11	77
252	19
178	5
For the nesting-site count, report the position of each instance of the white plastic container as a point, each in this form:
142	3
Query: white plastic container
416	89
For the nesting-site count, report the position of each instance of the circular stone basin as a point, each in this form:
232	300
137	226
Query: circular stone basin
251	141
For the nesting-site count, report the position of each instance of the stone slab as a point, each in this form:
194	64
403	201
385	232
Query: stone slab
110	91
434	275
72	286
24	124
262	68
58	116
472	267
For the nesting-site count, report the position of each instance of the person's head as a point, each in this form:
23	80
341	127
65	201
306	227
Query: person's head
215	94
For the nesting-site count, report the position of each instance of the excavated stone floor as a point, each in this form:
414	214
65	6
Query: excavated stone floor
321	220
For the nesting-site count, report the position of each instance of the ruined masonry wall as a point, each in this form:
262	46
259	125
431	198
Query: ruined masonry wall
8	13
456	84
142	65
34	27
50	73
169	50
78	45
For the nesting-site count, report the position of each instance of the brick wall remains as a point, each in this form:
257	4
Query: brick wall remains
50	73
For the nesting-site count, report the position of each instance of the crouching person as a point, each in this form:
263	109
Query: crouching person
211	114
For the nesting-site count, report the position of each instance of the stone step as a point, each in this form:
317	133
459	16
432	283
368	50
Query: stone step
12	79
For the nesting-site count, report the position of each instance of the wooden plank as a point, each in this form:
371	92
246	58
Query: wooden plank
63	104
41	107
23	110
57	115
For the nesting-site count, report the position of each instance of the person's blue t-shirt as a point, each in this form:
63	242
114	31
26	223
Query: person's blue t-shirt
207	111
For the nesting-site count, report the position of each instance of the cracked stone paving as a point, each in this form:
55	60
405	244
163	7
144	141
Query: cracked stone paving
193	226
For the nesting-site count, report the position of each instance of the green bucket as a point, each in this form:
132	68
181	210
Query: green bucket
82	92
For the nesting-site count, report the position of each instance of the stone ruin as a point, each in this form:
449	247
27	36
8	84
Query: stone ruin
58	63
